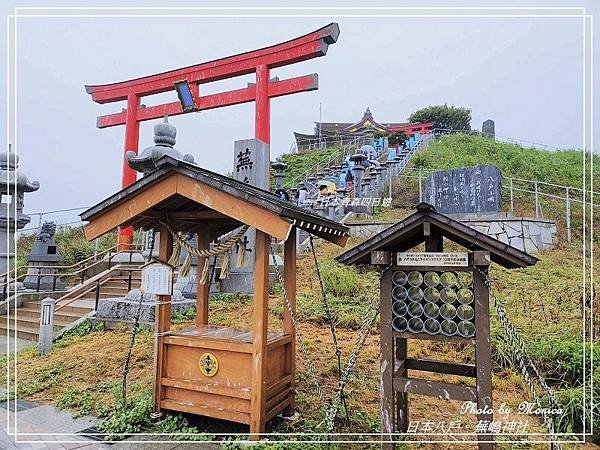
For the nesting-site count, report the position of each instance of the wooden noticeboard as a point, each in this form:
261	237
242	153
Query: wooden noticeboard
157	278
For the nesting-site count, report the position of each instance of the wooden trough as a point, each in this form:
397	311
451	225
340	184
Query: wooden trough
241	375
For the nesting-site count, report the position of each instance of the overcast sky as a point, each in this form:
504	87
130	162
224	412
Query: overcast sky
524	73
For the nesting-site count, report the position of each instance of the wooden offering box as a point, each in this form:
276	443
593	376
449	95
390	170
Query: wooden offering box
246	376
224	393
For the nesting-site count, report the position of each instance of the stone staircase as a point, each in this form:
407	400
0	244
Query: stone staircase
374	180
78	302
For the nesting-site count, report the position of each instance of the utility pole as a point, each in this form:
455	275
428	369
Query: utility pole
320	119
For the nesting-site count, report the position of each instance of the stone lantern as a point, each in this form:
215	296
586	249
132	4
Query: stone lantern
357	172
279	174
13	186
42	261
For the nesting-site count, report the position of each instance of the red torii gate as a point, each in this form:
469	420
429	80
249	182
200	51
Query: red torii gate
259	61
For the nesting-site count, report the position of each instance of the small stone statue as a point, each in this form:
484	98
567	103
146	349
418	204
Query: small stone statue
44	253
164	140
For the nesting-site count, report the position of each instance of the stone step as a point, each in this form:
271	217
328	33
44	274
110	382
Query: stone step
29	313
77	308
29	333
114	289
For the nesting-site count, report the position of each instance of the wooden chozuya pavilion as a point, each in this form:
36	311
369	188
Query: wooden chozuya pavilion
255	369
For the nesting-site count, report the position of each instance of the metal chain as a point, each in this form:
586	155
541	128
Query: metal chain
329	411
525	364
134	332
359	343
332	321
301	343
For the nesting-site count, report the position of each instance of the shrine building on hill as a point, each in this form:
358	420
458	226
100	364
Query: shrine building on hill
329	133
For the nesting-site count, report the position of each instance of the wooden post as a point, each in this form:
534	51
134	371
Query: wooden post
434	242
261	325
483	361
162	320
512	200
387	363
203	290
568	199
537	199
289	264
401	348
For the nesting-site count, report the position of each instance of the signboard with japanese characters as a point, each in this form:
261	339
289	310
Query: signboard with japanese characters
432	259
250	166
466	190
157	278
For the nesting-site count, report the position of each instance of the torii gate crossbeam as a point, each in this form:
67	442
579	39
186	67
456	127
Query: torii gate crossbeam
309	46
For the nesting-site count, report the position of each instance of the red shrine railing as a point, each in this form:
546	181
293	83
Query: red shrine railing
412	128
311	45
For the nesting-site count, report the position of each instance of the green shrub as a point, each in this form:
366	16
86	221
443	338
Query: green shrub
560	360
178	427
78	401
340	280
443	116
129	418
570	400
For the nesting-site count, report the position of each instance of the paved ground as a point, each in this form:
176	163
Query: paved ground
21	344
46	427
42	426
33	419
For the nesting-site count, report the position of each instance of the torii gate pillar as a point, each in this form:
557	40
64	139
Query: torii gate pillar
262	126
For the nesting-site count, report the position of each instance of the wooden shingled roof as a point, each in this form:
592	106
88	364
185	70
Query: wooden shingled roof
409	233
189	197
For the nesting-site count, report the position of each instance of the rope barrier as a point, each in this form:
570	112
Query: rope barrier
179	242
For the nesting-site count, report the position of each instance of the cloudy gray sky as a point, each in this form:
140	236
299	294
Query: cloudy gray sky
523	72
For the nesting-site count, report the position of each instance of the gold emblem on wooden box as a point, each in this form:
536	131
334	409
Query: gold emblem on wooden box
209	366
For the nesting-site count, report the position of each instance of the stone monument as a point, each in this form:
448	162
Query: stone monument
468	190
250	166
488	129
13	186
44	253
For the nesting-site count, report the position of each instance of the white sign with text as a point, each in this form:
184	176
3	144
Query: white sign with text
431	259
157	279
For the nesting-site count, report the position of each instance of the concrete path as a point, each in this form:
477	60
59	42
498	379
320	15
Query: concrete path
21	344
46	427
36	423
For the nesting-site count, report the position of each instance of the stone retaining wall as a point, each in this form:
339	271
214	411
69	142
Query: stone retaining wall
528	234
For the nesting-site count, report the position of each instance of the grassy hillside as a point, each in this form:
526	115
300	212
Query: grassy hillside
299	163
544	302
563	167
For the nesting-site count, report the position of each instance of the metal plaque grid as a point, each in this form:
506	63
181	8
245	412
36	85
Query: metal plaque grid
433	302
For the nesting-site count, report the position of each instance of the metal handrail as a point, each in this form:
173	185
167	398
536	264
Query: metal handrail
39	275
91	284
507	139
78	263
358	140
